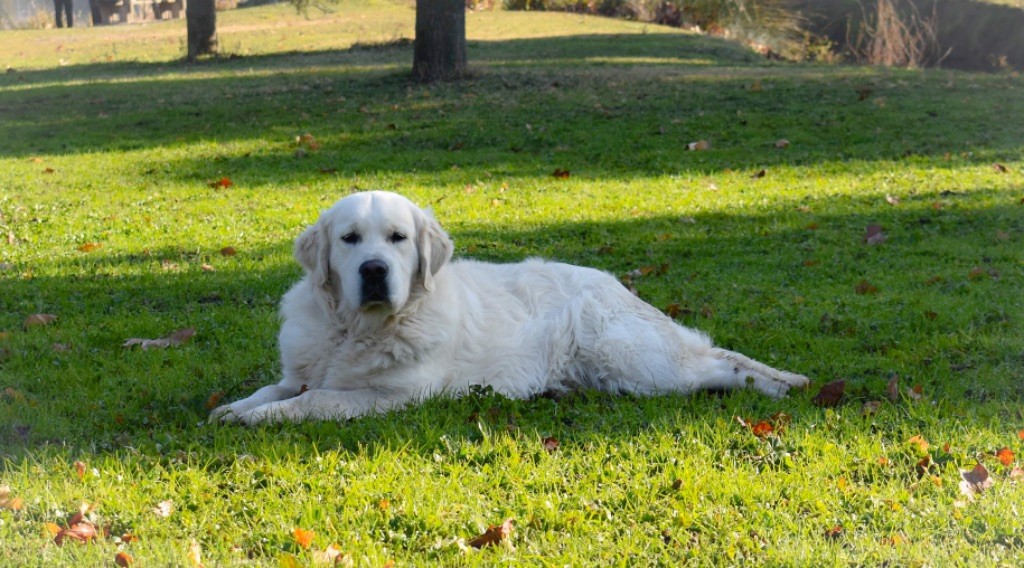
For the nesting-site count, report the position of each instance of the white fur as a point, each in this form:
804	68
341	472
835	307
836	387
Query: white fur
447	325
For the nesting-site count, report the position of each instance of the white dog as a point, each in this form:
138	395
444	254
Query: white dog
383	318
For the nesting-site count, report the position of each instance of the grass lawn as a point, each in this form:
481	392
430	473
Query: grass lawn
110	220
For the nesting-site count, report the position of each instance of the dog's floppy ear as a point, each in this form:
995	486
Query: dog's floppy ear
435	248
313	251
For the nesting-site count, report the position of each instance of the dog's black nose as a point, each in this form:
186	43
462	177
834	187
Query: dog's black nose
373	270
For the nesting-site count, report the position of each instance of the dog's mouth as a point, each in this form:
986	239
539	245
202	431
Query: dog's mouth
375	296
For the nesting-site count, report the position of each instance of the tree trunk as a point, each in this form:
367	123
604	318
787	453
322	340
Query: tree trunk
440	50
201	19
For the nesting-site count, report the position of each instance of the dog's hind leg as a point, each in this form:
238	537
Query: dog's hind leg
720	368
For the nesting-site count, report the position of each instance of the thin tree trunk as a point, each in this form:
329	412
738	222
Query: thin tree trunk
440	50
201	19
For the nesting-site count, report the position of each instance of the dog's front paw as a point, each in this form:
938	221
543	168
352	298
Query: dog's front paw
272	413
223	414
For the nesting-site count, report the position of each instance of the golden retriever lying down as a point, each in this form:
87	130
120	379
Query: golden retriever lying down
385	317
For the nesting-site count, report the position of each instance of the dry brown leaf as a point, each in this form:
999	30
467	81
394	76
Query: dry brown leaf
550	443
759	174
864	287
222	183
36	320
8	502
493	535
82	531
207	267
892	200
830	394
123	559
699	145
915	392
331	556
228	251
213	401
920	443
80	468
782	143
559	173
673	310
303	537
892	389
89	247
1000	168
173	340
975	481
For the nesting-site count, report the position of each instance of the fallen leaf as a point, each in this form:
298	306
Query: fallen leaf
834	532
759	174
207	268
559	173
1020	434
699	145
228	251
80	468
222	183
782	143
1016	474
1005	456
89	247
920	443
873	235
493	535
870	407
977	273
83	531
673	310
930	315
762	429
864	287
49	171
213	401
35	320
830	394
550	443
173	340
60	347
8	502
195	554
975	481
52	529
915	392
892	389
303	537
164	509
892	200
331	556
863	93
1000	168
123	559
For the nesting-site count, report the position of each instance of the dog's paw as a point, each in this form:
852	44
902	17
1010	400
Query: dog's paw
223	414
779	383
272	413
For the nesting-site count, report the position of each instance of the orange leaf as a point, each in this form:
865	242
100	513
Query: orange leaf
89	247
303	537
559	173
761	429
214	400
52	529
830	394
222	183
921	444
80	469
834	532
1020	434
1005	456
493	535
123	559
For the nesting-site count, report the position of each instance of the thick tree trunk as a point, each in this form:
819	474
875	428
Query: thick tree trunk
440	51
201	18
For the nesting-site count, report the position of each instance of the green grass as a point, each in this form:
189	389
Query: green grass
767	265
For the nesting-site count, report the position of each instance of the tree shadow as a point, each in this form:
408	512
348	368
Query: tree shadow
939	312
535	104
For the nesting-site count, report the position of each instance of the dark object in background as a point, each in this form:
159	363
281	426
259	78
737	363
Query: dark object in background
65	6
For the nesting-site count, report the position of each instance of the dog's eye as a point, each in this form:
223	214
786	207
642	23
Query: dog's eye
397	237
350	238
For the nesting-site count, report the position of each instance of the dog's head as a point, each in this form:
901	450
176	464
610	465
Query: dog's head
371	251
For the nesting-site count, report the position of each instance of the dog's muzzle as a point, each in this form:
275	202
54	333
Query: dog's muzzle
375	282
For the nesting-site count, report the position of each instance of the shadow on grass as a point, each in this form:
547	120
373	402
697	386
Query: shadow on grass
603	106
941	313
